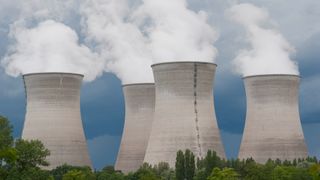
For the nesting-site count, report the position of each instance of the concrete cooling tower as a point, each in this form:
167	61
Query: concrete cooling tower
139	110
53	117
184	112
273	128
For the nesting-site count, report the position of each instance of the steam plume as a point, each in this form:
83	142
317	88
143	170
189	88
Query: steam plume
50	47
176	33
269	52
118	40
131	39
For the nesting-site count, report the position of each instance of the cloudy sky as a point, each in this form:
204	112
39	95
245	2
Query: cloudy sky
94	36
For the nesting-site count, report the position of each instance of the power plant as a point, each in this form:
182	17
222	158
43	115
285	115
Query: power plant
272	128
139	111
184	115
53	117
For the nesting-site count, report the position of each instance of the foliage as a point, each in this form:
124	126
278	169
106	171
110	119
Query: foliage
224	174
180	166
30	154
33	173
314	171
6	139
7	152
185	165
59	171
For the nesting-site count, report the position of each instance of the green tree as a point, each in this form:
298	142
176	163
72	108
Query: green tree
189	165
59	171
180	166
81	173
200	174
6	139
224	174
7	152
290	173
164	171
30	154
109	173
145	171
211	161
34	173
74	175
314	171
253	171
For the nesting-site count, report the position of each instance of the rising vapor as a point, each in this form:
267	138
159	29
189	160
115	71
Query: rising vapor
176	33
118	41
50	47
269	51
130	38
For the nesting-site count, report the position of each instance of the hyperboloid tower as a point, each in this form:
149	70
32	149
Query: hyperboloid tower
53	117
139	111
184	112
272	128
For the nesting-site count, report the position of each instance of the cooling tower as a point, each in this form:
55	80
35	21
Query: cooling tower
184	112
53	117
272	129
139	109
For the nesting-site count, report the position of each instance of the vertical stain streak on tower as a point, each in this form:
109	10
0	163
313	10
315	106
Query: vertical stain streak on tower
184	116
139	109
53	116
196	109
273	128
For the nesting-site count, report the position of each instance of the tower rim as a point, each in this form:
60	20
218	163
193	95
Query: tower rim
184	62
271	75
136	84
48	73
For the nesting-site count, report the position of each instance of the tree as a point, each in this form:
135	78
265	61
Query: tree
180	167
7	152
74	175
145	171
81	173
164	171
224	174
59	171
314	171
253	171
109	173
30	154
211	161
189	165
33	173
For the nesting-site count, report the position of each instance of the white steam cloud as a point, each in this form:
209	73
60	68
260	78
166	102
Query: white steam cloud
176	33
119	42
50	47
124	37
269	52
131	39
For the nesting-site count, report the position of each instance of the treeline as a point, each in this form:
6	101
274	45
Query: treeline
25	160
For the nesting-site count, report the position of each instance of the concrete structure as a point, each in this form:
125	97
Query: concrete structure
53	117
139	109
273	128
184	112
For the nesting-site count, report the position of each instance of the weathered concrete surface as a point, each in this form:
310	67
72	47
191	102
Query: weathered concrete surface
184	112
273	128
139	109
53	117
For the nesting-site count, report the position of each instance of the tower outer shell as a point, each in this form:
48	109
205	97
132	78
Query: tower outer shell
272	128
53	117
184	112
139	111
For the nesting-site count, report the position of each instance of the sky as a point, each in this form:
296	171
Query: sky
102	102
